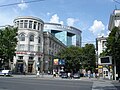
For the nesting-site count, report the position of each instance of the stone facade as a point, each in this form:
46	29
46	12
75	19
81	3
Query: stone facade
51	47
29	50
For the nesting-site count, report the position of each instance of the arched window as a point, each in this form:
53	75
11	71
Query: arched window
22	37
39	39
31	38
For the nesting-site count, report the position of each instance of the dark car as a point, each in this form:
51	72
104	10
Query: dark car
64	75
76	75
60	74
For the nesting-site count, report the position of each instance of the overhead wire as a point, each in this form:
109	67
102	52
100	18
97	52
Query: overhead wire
116	1
11	4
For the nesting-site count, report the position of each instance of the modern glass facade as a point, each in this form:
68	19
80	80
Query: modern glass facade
66	34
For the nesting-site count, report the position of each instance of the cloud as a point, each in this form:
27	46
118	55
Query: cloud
71	21
48	13
22	5
55	19
108	32
97	27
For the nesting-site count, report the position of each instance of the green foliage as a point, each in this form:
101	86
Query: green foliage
89	57
72	56
8	42
77	58
113	43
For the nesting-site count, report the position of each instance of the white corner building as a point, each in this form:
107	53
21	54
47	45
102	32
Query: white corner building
102	65
114	20
29	50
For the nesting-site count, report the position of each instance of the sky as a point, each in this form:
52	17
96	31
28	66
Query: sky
90	16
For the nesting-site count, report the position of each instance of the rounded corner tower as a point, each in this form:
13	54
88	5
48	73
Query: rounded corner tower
29	50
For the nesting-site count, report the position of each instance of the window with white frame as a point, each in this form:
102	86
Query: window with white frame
21	47
38	26
22	37
39	40
35	25
21	23
30	24
25	23
39	49
31	38
31	48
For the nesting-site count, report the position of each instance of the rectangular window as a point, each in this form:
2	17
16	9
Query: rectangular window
50	44
30	24
38	26
20	57
31	48
21	47
21	23
31	58
35	24
39	49
25	23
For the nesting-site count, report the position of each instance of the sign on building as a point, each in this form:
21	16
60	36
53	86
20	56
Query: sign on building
106	60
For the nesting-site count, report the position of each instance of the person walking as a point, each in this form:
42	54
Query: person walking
69	75
38	73
54	74
89	73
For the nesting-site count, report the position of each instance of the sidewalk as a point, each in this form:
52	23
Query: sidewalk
59	78
51	77
32	76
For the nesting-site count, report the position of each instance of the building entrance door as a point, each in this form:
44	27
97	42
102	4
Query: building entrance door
30	68
19	66
106	74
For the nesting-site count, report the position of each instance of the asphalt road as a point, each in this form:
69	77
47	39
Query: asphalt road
43	84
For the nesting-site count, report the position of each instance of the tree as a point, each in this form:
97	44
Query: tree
113	44
113	47
7	46
72	56
77	58
89	57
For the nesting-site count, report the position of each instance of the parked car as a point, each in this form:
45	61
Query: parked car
64	75
60	74
76	75
5	73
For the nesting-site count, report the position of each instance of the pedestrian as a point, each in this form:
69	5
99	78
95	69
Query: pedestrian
69	75
38	73
89	73
54	74
94	75
97	75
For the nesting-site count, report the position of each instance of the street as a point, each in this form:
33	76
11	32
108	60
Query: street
28	83
43	84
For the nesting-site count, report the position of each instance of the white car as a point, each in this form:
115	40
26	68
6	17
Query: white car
76	75
6	73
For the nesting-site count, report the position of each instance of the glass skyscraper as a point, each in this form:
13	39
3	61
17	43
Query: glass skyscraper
66	34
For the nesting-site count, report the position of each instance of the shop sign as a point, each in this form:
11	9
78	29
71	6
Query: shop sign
56	61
